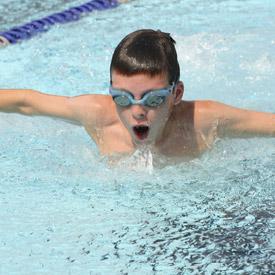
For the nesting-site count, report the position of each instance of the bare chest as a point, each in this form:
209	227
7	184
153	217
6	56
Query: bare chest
185	142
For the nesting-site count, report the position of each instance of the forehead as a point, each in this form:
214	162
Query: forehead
138	82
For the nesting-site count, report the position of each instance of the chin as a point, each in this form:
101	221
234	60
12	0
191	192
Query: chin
140	142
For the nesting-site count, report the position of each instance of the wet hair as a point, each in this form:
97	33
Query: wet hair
149	52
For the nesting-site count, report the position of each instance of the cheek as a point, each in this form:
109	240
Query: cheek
158	116
124	114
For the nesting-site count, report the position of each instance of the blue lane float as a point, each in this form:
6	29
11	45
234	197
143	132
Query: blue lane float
31	29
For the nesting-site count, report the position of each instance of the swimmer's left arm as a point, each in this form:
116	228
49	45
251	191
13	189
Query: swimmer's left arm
236	122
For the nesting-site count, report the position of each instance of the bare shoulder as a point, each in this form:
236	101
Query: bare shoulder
208	112
207	106
213	110
202	113
89	108
198	108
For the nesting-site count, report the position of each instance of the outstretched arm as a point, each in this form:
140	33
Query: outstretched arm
30	102
236	122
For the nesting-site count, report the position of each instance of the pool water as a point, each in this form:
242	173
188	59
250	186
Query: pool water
64	210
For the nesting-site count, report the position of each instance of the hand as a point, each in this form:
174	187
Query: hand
3	41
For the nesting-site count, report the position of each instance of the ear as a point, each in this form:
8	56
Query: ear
178	92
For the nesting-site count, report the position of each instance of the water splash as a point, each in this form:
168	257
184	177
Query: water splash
140	160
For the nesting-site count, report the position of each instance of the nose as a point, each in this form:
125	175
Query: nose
138	112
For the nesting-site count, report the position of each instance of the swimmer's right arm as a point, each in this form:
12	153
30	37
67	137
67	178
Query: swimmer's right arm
31	102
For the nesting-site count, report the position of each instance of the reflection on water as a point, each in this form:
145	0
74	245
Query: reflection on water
175	225
228	241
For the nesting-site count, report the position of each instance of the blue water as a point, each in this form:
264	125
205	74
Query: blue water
64	210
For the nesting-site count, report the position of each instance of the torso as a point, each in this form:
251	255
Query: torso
190	136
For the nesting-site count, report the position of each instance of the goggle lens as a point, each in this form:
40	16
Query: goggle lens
151	101
154	100
122	100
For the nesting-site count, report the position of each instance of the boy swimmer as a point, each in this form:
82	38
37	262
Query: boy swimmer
145	106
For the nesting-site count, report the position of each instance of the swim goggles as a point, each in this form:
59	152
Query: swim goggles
153	98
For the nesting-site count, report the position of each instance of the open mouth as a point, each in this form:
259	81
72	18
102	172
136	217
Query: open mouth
141	131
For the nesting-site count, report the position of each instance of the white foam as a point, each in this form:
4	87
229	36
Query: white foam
140	160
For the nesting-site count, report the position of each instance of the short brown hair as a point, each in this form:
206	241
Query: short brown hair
147	51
